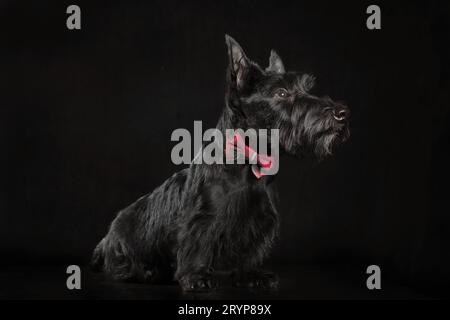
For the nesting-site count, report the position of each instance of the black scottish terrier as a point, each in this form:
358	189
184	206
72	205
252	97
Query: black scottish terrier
208	217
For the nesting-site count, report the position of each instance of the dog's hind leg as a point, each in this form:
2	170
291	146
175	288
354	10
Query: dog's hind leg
123	264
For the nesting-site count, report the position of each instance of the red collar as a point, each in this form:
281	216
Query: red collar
238	144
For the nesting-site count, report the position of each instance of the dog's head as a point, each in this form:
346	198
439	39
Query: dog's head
273	98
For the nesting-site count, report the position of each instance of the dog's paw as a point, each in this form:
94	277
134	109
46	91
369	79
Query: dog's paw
256	279
198	282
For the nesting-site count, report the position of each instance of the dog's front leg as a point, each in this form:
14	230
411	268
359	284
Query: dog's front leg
255	279
195	255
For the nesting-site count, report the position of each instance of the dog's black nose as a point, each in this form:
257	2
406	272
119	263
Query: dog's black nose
341	113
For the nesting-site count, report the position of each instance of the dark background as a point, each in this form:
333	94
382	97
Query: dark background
86	118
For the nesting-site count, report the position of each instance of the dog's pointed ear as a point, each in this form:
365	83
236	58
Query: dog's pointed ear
275	63
238	62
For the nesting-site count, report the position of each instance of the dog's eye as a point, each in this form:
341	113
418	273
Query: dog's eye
282	93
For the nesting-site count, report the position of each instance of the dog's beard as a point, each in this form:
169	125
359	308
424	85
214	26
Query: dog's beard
315	135
321	147
325	144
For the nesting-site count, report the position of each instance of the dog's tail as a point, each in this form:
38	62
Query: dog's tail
98	257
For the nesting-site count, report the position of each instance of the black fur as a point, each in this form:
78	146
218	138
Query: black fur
207	217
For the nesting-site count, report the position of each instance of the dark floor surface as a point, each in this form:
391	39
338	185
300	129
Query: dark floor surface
296	282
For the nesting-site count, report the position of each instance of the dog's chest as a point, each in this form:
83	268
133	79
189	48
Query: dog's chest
249	225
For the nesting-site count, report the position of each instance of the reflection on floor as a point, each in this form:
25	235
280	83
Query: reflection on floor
296	282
